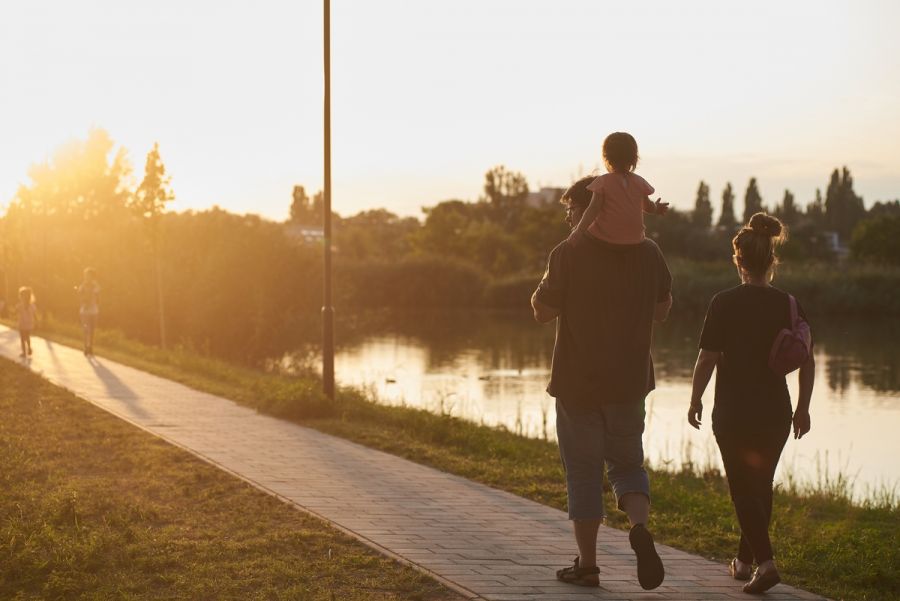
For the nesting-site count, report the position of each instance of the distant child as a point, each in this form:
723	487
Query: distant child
620	197
27	316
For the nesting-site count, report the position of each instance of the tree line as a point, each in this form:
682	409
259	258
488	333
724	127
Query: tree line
503	234
244	287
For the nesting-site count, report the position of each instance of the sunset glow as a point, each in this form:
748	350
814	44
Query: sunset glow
428	96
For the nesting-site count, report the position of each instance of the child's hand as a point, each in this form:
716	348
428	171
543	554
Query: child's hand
660	207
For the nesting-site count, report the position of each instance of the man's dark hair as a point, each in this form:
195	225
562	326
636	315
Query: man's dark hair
578	195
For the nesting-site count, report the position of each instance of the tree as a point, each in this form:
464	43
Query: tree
79	180
149	202
877	239
787	210
300	203
306	210
505	191
886	208
74	200
726	218
753	203
702	215
465	230
815	211
843	208
374	235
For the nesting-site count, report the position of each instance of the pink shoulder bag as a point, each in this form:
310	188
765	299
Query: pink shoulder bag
792	346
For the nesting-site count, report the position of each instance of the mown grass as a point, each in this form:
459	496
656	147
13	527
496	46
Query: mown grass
823	541
93	508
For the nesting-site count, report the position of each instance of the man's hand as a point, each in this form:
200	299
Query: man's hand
542	312
695	412
801	423
660	207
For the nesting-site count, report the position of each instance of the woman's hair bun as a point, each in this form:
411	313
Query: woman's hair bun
766	224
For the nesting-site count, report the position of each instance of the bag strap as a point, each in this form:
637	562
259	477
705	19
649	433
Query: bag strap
793	303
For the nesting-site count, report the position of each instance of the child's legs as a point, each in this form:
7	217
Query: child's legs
23	340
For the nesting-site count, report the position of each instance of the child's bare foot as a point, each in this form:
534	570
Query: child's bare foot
661	207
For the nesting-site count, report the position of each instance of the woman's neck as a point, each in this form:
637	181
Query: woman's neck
755	280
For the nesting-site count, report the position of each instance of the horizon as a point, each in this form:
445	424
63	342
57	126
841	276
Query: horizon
771	103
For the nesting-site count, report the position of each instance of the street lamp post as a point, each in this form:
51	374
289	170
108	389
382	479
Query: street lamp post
327	309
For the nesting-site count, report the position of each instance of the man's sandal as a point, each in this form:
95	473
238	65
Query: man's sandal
650	568
575	574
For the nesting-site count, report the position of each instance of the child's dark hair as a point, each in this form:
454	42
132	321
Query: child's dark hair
620	151
754	246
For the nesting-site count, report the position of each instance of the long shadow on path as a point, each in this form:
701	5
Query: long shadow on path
118	390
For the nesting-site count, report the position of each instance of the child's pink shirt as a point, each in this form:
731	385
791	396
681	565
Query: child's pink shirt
621	219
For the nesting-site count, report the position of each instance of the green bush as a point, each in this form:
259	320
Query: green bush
415	282
877	240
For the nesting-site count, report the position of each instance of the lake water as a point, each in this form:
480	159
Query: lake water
493	369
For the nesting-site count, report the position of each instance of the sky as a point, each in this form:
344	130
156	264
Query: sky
427	95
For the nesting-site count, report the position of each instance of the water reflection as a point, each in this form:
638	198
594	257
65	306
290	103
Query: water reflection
493	369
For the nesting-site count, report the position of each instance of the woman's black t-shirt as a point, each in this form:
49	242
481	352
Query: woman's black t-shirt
741	323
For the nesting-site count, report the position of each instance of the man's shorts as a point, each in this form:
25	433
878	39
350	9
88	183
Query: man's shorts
607	435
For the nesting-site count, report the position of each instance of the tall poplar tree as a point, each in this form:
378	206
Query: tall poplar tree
843	208
149	202
815	211
726	217
702	215
752	201
787	210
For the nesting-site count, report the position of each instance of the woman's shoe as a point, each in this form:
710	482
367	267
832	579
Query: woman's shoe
762	582
742	573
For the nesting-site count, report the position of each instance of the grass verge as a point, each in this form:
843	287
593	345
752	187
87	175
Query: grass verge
94	508
824	542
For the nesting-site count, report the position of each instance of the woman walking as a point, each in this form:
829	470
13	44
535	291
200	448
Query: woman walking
752	413
89	308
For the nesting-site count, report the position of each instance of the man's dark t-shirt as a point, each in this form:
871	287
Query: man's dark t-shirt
606	295
741	323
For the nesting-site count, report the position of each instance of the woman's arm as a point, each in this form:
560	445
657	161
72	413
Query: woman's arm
703	369
807	380
661	311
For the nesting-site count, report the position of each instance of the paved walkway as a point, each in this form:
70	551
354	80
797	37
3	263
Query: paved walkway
485	543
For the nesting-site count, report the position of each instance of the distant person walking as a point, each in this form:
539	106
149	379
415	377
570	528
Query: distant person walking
605	298
27	313
89	307
751	418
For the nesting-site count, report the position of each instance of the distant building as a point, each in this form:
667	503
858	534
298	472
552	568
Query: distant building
833	241
307	234
544	197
